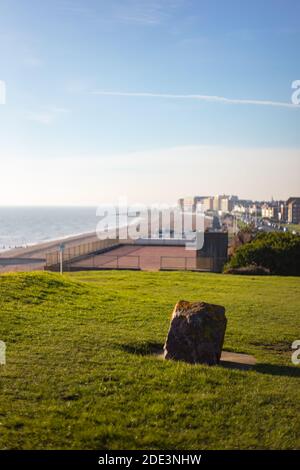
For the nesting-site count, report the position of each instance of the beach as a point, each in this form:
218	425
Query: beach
37	253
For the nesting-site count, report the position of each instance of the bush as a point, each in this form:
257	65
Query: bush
245	235
277	252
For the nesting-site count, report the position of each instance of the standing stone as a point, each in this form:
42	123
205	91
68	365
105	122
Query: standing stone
196	333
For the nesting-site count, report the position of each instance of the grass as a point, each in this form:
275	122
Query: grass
292	227
79	376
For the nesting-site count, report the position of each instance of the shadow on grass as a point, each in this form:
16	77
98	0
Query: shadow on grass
273	369
235	365
268	369
147	348
152	348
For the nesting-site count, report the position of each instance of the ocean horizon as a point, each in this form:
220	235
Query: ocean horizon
22	226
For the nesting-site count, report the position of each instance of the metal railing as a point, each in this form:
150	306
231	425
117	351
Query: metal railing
187	263
104	261
22	265
75	252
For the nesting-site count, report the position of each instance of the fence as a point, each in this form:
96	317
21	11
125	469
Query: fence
185	263
177	263
30	266
104	261
97	255
76	252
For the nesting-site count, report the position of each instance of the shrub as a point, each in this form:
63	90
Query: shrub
245	235
277	252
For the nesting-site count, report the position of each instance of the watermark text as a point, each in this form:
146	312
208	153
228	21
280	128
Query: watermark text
2	92
296	93
2	353
296	353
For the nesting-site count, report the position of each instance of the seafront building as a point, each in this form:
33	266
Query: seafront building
270	211
219	203
293	210
276	211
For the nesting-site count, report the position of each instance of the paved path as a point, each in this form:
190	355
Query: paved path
148	258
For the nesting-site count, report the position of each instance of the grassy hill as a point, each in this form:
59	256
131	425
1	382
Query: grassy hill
79	372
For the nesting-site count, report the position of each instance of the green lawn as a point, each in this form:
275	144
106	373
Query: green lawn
78	372
292	227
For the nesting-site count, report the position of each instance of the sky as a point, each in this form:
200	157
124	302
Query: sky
148	99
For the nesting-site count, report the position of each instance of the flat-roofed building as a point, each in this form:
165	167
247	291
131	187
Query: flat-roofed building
269	211
225	203
207	204
217	203
190	203
293	210
255	210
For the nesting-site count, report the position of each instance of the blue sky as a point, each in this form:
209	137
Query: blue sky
64	140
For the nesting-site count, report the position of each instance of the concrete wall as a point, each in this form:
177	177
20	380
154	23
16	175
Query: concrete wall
213	255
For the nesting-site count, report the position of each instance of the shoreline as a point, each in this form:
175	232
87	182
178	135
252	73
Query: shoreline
34	245
41	249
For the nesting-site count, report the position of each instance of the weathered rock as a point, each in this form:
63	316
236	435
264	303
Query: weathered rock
196	333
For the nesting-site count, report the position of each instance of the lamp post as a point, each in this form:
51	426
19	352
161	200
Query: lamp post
61	252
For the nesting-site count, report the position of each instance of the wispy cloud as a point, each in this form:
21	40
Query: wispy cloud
150	12
45	116
2	92
76	9
207	98
139	12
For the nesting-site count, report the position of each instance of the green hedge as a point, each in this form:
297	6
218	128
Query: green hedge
279	252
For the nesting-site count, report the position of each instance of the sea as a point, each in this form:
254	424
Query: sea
26	226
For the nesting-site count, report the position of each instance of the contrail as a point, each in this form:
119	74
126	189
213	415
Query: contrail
208	98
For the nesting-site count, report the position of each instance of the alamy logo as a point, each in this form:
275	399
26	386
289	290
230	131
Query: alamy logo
296	353
296	94
2	353
137	221
2	92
